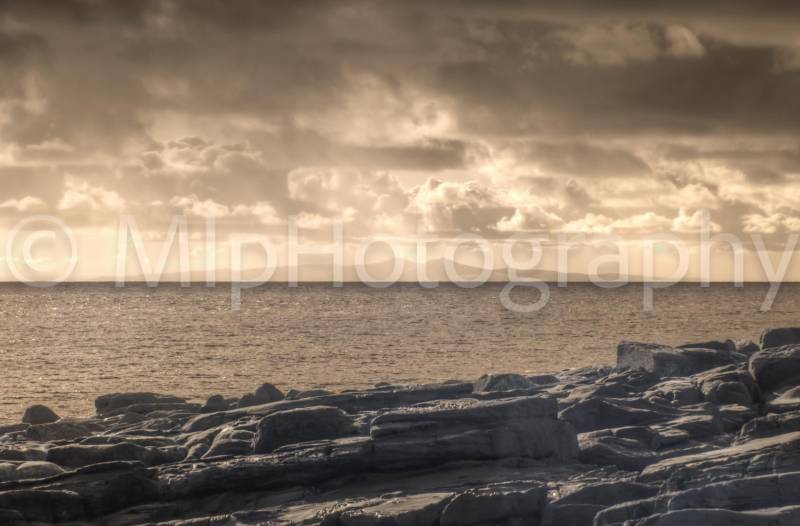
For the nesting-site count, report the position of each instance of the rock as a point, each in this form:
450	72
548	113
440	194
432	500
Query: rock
727	345
609	493
503	382
558	514
268	393
788	400
779	337
112	402
85	455
311	393
229	447
776	367
39	414
411	510
787	516
777	450
769	425
599	413
747	347
677	391
301	425
666	361
351	402
214	403
62	430
624	453
496	504
471	429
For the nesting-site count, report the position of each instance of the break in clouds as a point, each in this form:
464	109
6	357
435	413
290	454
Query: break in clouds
487	117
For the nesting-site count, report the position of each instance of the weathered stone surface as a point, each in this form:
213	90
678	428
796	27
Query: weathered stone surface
511	382
85	455
496	504
472	429
112	402
776	367
301	425
786	445
412	510
214	403
667	361
769	425
39	414
778	337
788	400
600	413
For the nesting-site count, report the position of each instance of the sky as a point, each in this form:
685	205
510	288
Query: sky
398	119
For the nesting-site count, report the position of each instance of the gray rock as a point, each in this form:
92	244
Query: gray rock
769	425
84	455
776	367
778	337
229	447
609	493
503	382
727	345
111	403
311	393
301	425
214	403
412	510
777	450
667	361
39	414
787	516
788	400
599	413
496	504
472	429
625	453
268	393
558	514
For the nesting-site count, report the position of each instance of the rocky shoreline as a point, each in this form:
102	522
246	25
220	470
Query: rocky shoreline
702	434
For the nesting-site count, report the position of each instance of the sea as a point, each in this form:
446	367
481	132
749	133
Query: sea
65	345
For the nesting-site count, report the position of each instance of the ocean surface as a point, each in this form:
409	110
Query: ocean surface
65	345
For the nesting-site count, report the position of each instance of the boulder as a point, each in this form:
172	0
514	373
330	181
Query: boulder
229	447
267	393
667	361
214	403
39	414
301	425
778	337
776	367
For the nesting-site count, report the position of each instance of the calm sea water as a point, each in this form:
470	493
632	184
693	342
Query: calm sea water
64	346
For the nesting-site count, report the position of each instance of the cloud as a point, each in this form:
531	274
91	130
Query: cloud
26	204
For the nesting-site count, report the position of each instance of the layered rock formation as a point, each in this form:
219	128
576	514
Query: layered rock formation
700	434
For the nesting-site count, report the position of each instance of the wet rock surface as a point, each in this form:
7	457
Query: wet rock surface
703	433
